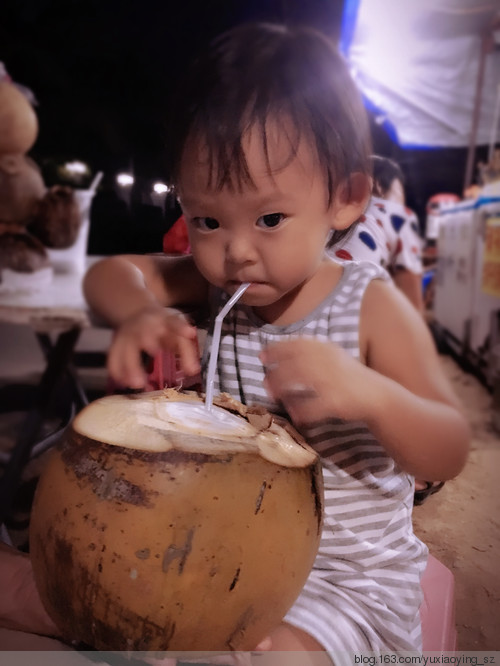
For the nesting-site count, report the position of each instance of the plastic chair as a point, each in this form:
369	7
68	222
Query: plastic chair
437	612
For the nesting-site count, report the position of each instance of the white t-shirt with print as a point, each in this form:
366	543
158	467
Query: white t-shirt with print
387	234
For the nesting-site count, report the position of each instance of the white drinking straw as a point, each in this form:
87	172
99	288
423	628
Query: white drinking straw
95	183
214	347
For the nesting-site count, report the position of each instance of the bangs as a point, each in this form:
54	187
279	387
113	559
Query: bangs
223	145
258	77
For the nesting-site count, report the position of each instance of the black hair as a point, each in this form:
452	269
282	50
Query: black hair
257	72
385	172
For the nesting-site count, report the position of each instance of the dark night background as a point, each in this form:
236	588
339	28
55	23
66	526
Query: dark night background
103	72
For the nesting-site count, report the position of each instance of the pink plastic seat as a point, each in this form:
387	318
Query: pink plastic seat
437	612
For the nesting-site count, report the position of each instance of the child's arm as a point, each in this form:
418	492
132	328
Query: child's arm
401	393
118	287
134	294
413	410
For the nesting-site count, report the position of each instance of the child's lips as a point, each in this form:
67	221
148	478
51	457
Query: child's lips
235	284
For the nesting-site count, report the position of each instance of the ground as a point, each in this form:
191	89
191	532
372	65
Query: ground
461	523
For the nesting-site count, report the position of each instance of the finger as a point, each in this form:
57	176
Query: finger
180	325
151	344
291	393
297	391
189	357
277	353
285	375
134	350
125	366
298	398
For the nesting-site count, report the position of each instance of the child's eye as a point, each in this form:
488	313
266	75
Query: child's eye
270	221
205	223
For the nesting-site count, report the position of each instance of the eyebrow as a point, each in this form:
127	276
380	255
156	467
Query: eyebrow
269	201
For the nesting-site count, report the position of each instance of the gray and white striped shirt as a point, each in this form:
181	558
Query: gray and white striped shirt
364	591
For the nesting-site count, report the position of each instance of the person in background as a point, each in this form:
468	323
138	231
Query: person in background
176	240
388	232
271	160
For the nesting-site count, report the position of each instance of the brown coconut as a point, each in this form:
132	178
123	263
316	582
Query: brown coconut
56	218
148	534
21	252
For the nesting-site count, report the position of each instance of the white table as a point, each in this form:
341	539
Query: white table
60	305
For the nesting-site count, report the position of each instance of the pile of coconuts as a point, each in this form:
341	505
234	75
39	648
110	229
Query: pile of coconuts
156	527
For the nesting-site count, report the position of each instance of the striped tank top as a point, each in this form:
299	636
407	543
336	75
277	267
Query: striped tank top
363	593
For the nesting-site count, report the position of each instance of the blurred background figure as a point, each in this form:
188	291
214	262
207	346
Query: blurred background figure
388	233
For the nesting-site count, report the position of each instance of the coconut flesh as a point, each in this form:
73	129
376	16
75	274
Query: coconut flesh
158	525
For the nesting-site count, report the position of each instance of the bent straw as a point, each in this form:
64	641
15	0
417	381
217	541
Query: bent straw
214	347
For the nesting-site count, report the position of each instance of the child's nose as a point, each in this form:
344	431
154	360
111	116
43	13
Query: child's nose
239	249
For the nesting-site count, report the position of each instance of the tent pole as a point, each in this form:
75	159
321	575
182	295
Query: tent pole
469	169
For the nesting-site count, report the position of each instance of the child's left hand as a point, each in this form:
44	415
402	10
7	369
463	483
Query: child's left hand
317	380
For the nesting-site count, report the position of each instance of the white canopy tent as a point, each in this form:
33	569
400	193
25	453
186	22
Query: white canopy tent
431	68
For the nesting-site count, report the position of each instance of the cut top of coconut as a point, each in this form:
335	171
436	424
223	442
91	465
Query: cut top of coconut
161	422
192	417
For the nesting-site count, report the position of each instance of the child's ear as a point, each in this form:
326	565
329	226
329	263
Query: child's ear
351	200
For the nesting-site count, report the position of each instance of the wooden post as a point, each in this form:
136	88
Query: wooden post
469	169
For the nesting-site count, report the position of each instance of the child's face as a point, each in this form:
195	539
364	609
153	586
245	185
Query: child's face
272	235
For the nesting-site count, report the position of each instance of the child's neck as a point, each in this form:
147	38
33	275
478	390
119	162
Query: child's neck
305	298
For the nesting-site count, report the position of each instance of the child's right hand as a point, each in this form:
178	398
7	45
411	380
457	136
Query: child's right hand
152	330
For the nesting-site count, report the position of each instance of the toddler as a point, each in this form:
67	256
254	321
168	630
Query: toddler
270	158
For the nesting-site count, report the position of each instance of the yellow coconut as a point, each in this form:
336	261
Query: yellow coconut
154	528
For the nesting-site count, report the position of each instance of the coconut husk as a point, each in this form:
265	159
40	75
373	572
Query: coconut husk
21	252
56	220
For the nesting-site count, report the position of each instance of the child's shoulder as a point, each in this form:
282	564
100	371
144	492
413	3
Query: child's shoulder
388	319
359	274
349	292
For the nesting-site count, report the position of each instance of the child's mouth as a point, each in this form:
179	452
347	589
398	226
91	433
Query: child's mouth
235	284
